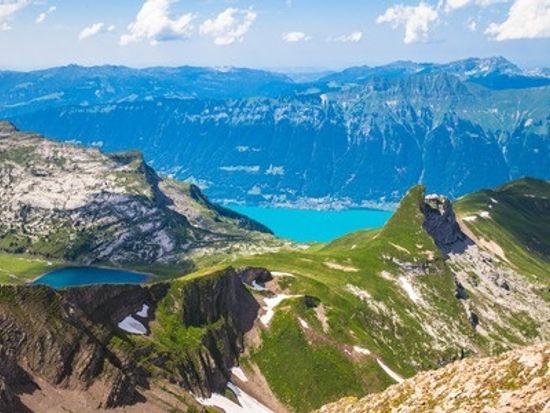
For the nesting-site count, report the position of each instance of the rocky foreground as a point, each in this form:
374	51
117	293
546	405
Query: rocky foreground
517	381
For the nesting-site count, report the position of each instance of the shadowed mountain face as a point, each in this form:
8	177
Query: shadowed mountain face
364	134
70	344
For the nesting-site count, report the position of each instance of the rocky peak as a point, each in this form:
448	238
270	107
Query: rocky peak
440	222
103	207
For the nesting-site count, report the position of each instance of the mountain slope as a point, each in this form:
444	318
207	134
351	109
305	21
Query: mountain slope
294	329
374	307
516	381
65	202
74	350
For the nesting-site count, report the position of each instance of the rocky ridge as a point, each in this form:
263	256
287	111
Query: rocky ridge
73	340
514	382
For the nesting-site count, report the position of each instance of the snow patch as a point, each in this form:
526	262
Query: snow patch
407	286
248	404
361	350
340	267
281	274
252	169
132	326
275	170
271	303
257	286
400	248
470	218
390	372
303	323
239	373
485	214
359	293
144	312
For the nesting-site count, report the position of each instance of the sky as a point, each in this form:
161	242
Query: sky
293	35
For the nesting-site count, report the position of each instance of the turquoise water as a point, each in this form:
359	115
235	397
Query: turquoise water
305	225
79	276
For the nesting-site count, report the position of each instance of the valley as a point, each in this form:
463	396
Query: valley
234	314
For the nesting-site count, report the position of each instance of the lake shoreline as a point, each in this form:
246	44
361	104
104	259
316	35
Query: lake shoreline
312	225
116	271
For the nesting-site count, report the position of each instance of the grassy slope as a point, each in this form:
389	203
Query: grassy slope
518	223
16	269
291	361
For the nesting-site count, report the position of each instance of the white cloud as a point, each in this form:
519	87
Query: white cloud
8	8
155	24
91	31
229	26
527	19
472	24
451	5
293	37
416	19
348	38
42	16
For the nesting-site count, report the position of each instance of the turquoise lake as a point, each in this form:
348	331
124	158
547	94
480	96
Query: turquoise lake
306	225
80	276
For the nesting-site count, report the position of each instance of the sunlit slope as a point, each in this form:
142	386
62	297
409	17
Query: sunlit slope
387	297
386	291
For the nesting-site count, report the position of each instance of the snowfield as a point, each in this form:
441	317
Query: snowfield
132	326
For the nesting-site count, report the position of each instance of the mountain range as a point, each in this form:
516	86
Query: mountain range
255	323
361	136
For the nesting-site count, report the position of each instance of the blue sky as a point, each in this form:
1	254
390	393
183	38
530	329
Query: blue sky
270	33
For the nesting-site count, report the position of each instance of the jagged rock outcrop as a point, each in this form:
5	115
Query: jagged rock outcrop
220	306
68	202
488	286
63	337
514	382
71	338
250	274
442	226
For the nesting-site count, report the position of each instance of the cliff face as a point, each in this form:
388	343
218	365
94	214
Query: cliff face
63	337
71	339
77	204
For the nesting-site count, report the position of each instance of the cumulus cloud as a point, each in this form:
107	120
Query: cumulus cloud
94	29
348	38
415	19
91	30
527	19
155	24
293	37
42	16
229	26
8	8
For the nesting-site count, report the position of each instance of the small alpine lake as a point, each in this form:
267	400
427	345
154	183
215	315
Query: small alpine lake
308	225
80	276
